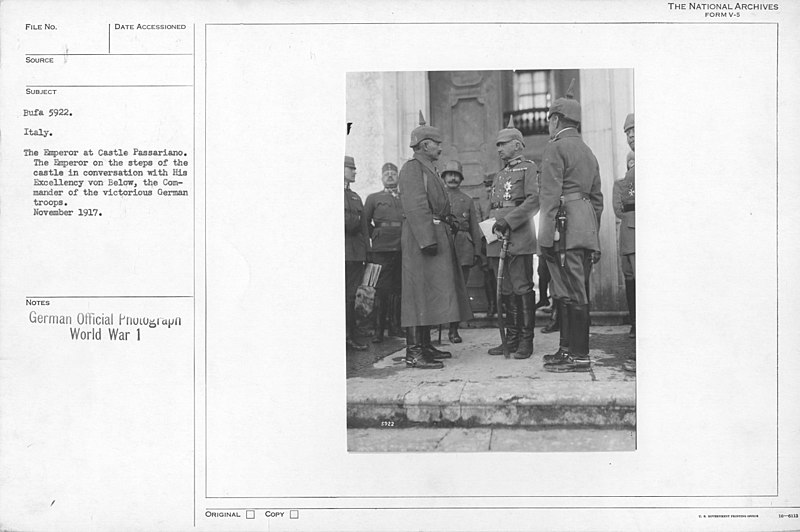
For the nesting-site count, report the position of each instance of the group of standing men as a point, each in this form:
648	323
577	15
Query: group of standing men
439	239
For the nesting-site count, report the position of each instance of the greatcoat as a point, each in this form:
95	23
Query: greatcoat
569	168
433	287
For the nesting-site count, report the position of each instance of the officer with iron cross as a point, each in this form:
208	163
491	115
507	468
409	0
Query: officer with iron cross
514	202
625	210
571	205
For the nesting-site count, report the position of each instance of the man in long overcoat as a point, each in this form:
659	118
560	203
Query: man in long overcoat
468	237
571	205
433	288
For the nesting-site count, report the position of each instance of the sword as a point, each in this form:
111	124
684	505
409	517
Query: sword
500	273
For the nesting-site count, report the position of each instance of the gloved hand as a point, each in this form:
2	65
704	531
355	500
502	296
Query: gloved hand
549	253
452	221
500	226
430	250
595	258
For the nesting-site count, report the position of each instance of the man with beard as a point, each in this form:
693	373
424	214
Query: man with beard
355	250
569	229
515	200
383	213
433	289
468	237
625	210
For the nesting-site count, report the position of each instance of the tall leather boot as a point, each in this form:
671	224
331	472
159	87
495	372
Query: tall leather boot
350	324
555	323
490	288
394	316
512	320
578	357
427	345
630	295
381	306
416	355
528	322
563	340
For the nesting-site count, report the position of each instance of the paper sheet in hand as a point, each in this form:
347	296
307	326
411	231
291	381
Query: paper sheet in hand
486	227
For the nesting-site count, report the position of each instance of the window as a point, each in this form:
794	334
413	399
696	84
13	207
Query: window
531	89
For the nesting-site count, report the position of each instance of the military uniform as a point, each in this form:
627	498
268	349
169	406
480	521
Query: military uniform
433	288
514	201
515	198
383	213
468	238
355	253
625	210
570	182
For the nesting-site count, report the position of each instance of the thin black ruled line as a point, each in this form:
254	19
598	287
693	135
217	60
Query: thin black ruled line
99	86
108	297
102	55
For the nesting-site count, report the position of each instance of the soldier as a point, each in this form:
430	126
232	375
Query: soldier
489	282
433	290
355	250
625	210
383	213
515	200
468	237
569	232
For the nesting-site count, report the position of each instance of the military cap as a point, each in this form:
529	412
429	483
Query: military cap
424	132
628	123
349	162
567	106
453	167
388	166
509	133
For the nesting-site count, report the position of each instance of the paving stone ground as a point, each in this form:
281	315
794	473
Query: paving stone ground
482	439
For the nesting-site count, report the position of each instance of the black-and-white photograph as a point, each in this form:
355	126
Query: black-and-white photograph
490	291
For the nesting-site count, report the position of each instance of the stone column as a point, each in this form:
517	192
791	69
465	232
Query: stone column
606	98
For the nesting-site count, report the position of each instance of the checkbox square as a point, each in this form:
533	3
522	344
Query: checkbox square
294	514
250	514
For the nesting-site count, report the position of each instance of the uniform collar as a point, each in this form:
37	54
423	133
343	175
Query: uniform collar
515	161
567	132
426	163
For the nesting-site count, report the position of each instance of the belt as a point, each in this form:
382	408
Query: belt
573	196
628	207
389	224
504	204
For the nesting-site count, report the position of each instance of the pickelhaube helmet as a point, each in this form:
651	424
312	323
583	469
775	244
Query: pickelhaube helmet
349	162
567	106
424	132
509	133
628	123
453	167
